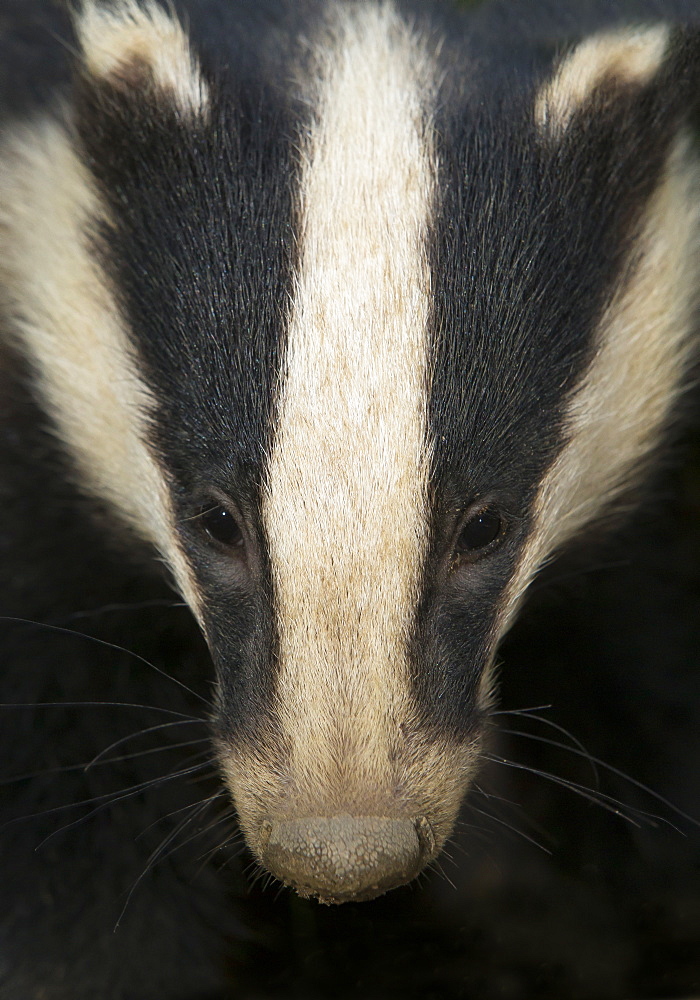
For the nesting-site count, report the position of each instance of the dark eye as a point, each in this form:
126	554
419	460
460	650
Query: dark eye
220	524
480	531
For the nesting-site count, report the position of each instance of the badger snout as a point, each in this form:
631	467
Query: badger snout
343	858
352	834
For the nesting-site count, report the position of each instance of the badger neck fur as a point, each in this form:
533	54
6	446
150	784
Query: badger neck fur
355	346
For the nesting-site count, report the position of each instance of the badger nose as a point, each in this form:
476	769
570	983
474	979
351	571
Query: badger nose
343	858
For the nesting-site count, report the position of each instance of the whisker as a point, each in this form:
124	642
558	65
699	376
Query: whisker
234	844
202	831
225	813
254	873
136	606
99	704
509	826
107	645
234	838
520	711
160	853
440	871
612	770
496	798
529	714
152	750
105	800
111	798
474	830
132	736
47	772
281	888
607	802
174	812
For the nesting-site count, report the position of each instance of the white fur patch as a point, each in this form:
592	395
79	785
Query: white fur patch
67	323
624	401
345	506
630	56
113	38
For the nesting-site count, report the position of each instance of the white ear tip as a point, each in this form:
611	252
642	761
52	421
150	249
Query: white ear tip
142	35
630	56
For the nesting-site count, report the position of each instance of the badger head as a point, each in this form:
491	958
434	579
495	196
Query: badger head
356	352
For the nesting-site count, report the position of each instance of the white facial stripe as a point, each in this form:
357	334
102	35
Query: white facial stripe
68	324
627	56
345	509
112	38
624	401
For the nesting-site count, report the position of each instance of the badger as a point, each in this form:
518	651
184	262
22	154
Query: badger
338	322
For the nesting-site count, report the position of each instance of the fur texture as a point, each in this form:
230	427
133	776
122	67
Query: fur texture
343	322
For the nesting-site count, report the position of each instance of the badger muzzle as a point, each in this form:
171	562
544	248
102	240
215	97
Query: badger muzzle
348	829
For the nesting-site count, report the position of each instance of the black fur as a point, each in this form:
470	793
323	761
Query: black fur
203	263
571	212
206	258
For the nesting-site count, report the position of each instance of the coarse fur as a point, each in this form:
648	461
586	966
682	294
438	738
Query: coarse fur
293	297
69	325
132	38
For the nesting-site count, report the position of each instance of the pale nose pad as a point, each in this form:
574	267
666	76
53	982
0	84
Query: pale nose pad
344	858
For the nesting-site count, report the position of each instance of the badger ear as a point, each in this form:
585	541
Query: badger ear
137	43
627	104
602	70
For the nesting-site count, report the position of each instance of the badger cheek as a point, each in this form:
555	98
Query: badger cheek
338	848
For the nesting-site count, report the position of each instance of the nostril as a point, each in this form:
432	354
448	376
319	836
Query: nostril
344	858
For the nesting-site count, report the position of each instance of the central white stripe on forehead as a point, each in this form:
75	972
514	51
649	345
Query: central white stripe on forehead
345	506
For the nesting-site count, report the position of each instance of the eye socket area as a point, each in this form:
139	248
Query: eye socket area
221	526
480	533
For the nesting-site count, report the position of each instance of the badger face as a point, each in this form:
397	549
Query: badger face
356	354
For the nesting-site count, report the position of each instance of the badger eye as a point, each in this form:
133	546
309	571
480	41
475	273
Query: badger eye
479	531
220	524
